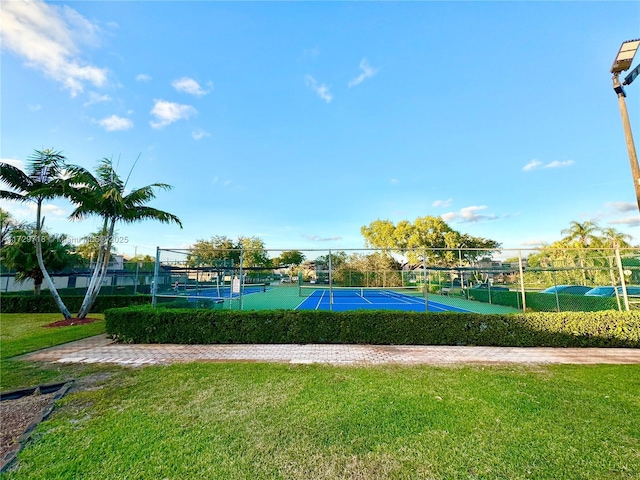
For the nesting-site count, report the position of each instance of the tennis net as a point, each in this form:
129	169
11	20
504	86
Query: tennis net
364	292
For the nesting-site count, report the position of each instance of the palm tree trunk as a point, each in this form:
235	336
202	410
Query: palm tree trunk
87	302
52	288
101	270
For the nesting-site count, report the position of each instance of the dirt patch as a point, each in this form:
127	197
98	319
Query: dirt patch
71	321
17	415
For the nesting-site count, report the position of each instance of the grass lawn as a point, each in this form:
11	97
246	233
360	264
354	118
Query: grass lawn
271	421
24	333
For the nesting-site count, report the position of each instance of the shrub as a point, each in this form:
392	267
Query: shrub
143	324
46	303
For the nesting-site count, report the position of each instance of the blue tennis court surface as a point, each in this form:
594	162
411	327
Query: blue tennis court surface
380	300
222	293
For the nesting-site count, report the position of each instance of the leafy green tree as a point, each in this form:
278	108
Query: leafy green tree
220	250
216	251
105	195
20	255
43	181
290	258
253	252
428	236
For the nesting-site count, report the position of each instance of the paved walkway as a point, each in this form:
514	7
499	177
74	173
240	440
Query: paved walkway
100	349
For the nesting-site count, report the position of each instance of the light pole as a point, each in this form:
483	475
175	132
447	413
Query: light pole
623	61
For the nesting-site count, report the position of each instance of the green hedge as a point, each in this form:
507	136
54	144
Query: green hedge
545	302
46	303
570	329
71	292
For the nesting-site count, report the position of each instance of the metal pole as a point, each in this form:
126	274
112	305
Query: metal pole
524	298
614	284
135	282
241	280
622	282
156	271
555	284
626	125
330	284
424	282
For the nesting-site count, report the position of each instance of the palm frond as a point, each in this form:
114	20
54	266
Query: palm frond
137	214
14	178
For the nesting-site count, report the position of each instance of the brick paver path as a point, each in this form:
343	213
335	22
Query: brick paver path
100	349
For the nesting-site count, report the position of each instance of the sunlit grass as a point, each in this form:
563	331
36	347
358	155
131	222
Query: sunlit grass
263	421
24	333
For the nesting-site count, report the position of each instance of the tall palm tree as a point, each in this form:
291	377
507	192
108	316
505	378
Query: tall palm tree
46	168
582	235
104	194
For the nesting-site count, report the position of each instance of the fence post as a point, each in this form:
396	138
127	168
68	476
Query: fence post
425	287
524	298
613	282
622	282
241	279
330	283
156	271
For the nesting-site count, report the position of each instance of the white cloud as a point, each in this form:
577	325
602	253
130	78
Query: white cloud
49	208
143	77
558	164
442	203
96	98
168	112
115	123
199	134
468	215
34	108
394	181
367	72
27	211
321	89
536	242
12	161
189	85
622	206
49	38
317	238
531	165
633	221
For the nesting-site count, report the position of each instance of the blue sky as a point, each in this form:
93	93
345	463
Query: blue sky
300	122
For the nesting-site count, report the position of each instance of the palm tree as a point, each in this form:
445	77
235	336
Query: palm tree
583	233
105	195
46	168
20	255
612	238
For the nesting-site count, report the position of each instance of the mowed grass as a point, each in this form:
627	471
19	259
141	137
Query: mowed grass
276	421
24	333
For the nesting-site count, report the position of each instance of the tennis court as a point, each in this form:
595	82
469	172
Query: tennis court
358	298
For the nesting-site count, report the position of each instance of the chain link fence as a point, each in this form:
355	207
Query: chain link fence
500	281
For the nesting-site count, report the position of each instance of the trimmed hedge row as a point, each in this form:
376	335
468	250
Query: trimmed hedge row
569	329
46	303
